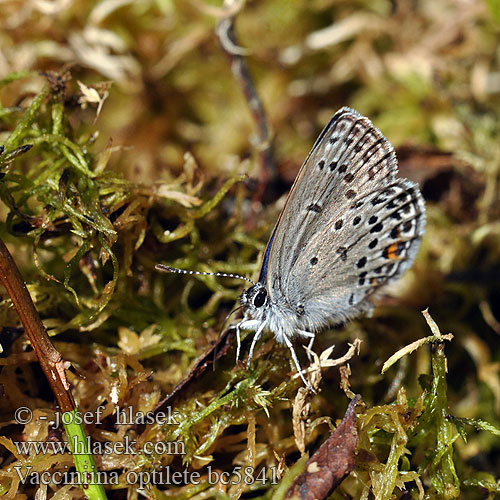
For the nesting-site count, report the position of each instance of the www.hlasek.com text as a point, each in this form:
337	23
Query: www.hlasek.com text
78	447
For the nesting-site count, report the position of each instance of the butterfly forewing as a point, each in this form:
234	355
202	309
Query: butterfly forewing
324	229
350	157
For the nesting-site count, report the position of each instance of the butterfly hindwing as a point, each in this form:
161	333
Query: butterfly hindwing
344	264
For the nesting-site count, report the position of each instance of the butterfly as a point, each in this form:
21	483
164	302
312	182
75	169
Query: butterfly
349	227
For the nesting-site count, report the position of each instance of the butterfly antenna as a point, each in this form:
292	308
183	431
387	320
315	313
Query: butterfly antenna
170	269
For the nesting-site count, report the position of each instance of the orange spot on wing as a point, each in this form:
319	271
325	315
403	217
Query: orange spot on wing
392	251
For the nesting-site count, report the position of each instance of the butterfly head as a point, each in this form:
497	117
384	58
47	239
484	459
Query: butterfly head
255	298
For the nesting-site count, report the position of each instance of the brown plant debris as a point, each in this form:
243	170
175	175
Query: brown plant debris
334	460
207	359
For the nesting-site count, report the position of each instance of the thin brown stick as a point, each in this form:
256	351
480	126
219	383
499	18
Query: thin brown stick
48	356
229	42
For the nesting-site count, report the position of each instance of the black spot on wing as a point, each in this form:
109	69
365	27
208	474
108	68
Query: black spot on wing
314	207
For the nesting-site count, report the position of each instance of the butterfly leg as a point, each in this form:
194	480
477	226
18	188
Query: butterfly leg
256	337
245	324
297	364
310	336
311	342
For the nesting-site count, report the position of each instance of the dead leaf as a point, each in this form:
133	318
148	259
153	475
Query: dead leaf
90	95
301	408
334	460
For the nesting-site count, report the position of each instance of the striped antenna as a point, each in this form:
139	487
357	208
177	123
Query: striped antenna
170	269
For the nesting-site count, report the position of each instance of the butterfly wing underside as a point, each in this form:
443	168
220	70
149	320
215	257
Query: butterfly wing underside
349	225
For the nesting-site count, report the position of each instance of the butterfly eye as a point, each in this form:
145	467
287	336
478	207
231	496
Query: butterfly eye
259	299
